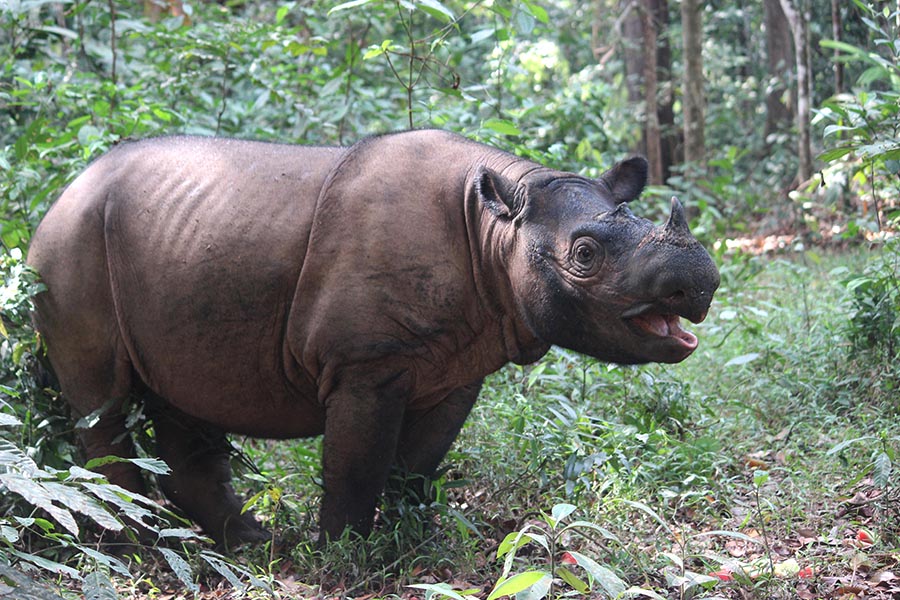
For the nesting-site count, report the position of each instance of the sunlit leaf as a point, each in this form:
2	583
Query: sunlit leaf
502	126
516	583
440	589
349	5
560	512
605	578
743	359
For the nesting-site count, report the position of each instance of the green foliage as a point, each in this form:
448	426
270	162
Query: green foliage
875	322
49	510
865	125
552	533
648	452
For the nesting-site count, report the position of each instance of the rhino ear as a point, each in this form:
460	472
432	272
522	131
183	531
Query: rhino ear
496	192
626	179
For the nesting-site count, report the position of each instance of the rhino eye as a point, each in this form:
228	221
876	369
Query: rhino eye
584	254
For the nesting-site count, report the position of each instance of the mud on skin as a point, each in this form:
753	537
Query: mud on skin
361	293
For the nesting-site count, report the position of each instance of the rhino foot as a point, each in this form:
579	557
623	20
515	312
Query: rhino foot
200	481
241	529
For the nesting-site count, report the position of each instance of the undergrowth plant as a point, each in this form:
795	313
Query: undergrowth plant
63	519
875	322
552	533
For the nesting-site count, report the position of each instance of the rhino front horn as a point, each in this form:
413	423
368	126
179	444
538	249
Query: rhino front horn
677	223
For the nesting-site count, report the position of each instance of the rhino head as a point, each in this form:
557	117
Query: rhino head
589	275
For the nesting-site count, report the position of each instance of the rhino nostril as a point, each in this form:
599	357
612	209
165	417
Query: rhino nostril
676	296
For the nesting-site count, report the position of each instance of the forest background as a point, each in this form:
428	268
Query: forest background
765	466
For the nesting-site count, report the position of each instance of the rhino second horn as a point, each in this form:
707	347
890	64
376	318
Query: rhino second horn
677	222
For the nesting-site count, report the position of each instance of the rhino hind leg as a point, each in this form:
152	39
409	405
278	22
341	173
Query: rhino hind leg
200	481
96	383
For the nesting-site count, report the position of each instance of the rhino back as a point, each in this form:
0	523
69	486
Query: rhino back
203	242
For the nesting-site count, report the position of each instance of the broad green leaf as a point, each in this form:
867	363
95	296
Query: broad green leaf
251	502
77	473
538	591
98	586
181	568
502	126
516	584
105	559
223	569
832	129
574	525
60	31
537	12
840	446
605	578
560	512
540	539
79	502
5	419
881	475
436	9
123	500
638	591
835	153
46	564
676	560
760	477
36	494
10	534
349	5
154	465
743	359
179	533
513	541
569	577
442	589
649	511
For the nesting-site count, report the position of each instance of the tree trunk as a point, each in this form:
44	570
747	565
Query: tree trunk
836	27
651	127
694	133
779	59
665	99
633	58
798	23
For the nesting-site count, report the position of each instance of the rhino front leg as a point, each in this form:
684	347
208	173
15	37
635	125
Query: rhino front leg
200	482
428	434
362	426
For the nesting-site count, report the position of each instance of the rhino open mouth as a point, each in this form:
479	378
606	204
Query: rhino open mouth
665	326
648	320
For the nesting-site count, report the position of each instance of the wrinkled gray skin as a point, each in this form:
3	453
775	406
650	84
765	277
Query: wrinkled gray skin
362	293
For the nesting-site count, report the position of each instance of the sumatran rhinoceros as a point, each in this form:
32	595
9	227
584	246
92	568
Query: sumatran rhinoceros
362	293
